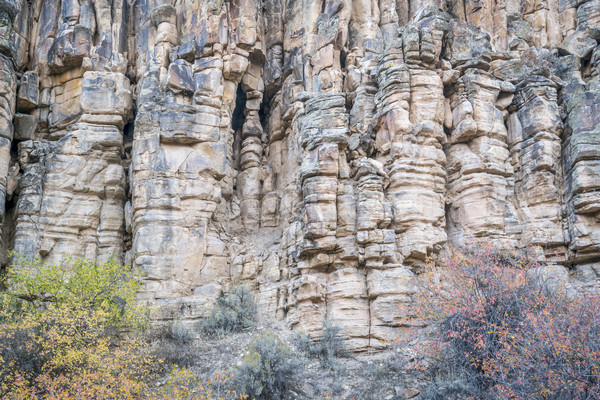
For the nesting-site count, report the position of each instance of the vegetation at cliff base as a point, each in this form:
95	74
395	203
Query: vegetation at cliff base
327	348
234	312
63	331
493	324
507	328
269	368
73	330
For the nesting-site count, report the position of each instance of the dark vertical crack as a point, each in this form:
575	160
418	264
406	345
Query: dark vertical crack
237	123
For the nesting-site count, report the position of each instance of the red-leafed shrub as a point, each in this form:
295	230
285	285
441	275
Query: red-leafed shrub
507	328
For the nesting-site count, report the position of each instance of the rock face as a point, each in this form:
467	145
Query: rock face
318	151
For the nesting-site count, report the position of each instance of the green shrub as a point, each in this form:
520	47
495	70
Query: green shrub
106	288
268	369
180	333
234	312
326	348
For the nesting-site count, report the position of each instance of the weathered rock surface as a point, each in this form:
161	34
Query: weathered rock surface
318	151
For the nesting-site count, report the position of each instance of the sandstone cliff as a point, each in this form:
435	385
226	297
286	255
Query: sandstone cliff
316	150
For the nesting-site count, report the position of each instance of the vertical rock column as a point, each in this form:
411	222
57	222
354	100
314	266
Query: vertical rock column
74	187
251	174
178	158
543	20
365	190
534	130
323	130
183	149
410	105
274	148
361	87
581	155
580	21
283	75
33	156
328	288
479	170
8	86
407	223
366	42
388	283
8	89
373	216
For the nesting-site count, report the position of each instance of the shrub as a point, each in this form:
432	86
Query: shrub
268	369
180	333
171	353
329	346
450	384
106	288
233	312
506	330
175	345
60	328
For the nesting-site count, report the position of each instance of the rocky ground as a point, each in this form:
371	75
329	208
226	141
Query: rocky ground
360	376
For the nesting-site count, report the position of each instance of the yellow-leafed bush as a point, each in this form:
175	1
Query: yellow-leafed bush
66	332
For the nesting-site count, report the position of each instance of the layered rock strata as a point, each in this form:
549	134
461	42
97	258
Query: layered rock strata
534	129
318	152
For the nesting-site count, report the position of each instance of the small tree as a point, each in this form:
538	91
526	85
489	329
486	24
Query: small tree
61	331
506	330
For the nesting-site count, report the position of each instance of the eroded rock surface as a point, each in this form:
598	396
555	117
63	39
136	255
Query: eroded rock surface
318	151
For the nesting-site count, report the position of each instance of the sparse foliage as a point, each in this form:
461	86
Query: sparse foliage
327	348
381	377
182	384
180	333
268	369
233	312
176	353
